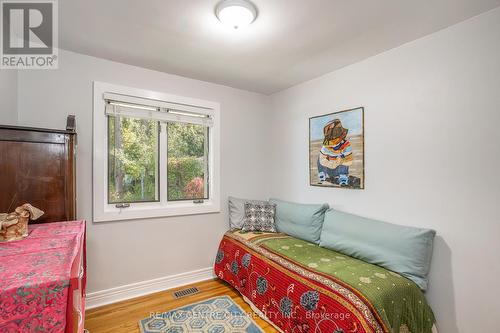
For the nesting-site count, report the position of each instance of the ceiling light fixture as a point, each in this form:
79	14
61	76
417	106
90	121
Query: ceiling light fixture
236	13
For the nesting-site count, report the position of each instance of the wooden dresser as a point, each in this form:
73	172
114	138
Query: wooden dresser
42	277
38	167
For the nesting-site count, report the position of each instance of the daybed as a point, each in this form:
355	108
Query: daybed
301	287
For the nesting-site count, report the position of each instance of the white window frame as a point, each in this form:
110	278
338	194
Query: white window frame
102	211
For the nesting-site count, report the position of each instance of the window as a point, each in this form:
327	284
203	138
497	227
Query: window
154	154
187	165
133	148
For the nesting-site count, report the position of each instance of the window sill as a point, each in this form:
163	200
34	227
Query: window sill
155	210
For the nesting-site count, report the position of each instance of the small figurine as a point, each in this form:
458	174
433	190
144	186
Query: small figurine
14	226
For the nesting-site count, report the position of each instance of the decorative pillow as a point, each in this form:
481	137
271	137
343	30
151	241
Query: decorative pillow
237	211
401	249
259	217
302	221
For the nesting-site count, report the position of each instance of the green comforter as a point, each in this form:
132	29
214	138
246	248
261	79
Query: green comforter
398	300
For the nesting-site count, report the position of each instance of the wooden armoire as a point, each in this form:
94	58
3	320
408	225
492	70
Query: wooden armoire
37	166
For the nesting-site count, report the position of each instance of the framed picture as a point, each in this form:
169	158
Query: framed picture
336	149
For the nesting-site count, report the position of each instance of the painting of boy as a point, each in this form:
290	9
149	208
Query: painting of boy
336	149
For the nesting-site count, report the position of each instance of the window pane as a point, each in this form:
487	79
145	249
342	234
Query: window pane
132	160
187	161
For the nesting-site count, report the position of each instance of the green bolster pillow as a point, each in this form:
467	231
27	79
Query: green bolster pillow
401	249
302	221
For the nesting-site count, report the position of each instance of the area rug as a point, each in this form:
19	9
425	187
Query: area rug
214	315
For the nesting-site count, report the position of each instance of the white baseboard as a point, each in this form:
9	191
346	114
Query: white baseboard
133	290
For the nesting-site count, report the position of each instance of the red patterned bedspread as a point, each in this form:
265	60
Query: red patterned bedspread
300	287
42	279
293	298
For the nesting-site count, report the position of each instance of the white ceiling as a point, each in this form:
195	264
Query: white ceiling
290	42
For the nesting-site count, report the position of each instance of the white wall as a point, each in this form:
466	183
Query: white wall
132	251
8	97
432	111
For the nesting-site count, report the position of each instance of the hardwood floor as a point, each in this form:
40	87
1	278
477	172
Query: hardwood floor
124	316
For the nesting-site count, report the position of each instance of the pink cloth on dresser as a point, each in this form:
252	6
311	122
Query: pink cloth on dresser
35	277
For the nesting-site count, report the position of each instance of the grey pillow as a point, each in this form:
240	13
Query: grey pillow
302	221
401	249
259	217
237	211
